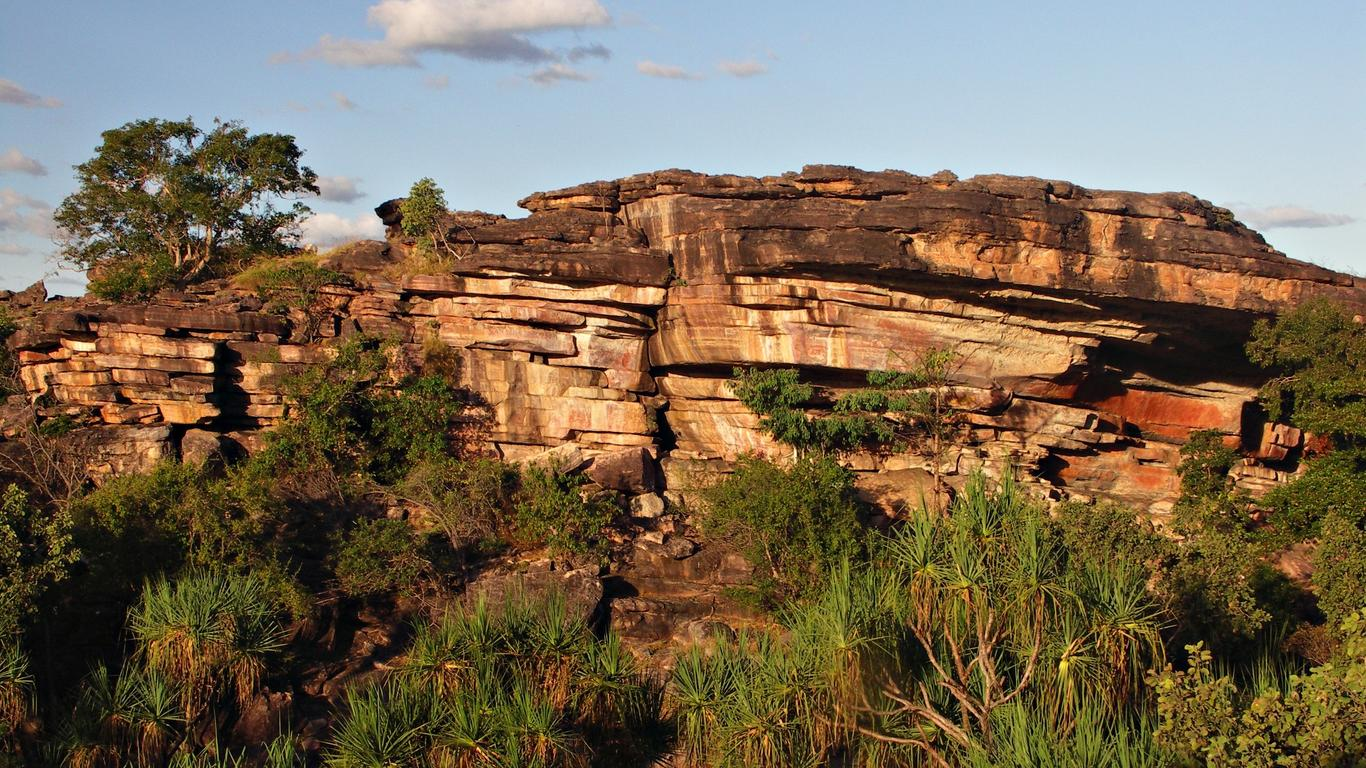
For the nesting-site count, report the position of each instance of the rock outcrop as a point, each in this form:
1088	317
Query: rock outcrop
1093	330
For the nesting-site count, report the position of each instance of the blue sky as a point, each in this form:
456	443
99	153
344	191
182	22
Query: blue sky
1259	106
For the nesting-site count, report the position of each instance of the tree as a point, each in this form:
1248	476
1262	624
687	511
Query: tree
1319	354
423	211
164	202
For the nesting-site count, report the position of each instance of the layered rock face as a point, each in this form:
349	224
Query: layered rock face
1093	330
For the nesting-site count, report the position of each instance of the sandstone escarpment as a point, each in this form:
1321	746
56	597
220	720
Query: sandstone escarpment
1093	330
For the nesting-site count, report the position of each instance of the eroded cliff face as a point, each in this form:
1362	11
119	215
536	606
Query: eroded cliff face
1094	330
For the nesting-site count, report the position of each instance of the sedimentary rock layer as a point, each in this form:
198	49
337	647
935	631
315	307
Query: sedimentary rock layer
1092	330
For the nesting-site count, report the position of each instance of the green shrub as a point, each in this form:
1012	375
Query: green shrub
1305	720
468	501
1331	484
1340	568
210	632
134	279
529	685
348	424
376	557
793	524
423	212
293	284
36	553
1318	353
551	509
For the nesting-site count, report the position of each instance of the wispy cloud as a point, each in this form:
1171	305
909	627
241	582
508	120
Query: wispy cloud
1291	217
339	189
472	29
325	230
13	93
14	249
743	68
25	215
557	72
437	82
666	71
343	101
595	51
14	161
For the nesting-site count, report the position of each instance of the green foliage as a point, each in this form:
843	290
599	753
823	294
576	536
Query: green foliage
208	631
1333	484
551	508
793	524
1340	568
9	362
423	212
36	552
163	201
897	408
1308	720
16	688
1109	532
528	686
468	501
378	557
1208	501
293	284
1318	352
349	423
973	640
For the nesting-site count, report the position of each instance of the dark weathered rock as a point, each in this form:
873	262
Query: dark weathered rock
631	471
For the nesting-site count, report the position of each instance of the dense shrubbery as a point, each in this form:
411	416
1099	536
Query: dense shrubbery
989	633
525	685
793	523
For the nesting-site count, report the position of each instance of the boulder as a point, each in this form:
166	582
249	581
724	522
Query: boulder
199	447
631	471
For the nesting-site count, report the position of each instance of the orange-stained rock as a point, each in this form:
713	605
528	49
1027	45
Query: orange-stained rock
1092	330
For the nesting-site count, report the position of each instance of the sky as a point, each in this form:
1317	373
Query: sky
1257	106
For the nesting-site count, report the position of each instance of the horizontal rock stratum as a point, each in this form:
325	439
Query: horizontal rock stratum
1094	330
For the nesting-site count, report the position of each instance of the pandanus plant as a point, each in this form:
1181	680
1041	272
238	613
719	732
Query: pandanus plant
209	632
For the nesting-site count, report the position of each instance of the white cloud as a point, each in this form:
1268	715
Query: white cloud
345	52
666	71
1291	217
23	214
556	73
325	230
15	161
745	68
343	101
437	82
339	189
13	93
487	30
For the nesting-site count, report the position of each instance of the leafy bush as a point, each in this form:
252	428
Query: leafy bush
293	284
1318	352
468	501
1331	484
377	557
423	211
36	552
551	509
348	424
1340	568
1304	720
793	524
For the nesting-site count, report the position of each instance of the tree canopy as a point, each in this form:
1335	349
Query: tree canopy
163	202
1319	353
